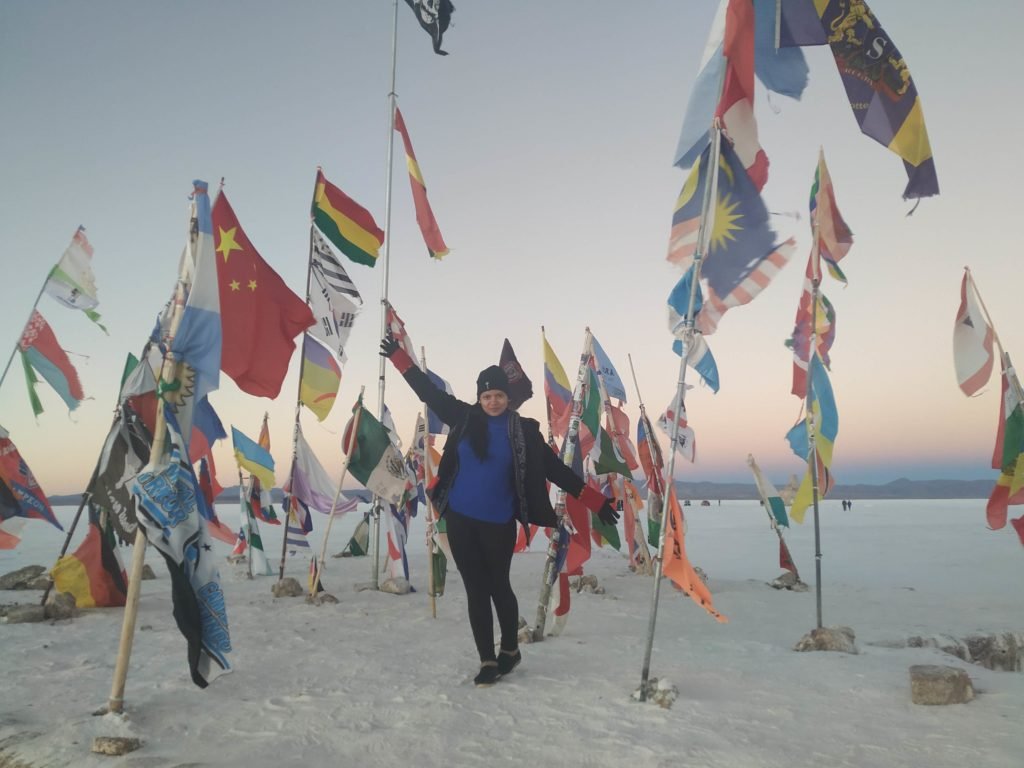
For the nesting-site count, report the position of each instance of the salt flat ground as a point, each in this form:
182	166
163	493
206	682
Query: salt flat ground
375	681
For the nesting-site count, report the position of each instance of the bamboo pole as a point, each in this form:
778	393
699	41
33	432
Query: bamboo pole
431	587
385	276
344	472
565	523
703	235
169	372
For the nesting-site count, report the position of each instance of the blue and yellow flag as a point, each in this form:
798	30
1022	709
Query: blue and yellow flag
251	456
822	405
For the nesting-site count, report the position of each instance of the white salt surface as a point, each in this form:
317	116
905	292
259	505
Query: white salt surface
375	681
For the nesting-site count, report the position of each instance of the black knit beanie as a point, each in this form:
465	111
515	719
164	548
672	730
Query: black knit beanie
491	377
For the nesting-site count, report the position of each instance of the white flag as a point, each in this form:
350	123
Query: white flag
972	341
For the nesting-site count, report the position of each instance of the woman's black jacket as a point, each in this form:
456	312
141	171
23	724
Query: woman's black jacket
533	461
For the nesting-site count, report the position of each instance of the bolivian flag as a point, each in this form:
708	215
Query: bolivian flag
344	222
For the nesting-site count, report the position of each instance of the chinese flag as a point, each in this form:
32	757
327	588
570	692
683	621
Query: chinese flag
259	315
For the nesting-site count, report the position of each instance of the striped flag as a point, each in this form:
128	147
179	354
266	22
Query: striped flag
686	441
834	236
71	282
822	405
715	306
824	330
344	222
41	353
300	523
424	214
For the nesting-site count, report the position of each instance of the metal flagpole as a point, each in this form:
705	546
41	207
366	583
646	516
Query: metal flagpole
377	504
169	373
565	523
344	472
703	235
812	426
243	494
429	512
298	409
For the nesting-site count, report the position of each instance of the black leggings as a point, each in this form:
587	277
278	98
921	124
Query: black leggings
483	555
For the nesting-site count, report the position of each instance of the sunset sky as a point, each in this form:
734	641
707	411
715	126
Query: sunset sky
546	140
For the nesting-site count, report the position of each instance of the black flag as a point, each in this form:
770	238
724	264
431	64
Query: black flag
434	16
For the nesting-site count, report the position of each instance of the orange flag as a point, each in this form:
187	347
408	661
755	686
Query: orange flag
424	214
678	568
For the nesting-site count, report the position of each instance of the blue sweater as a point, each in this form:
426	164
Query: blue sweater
484	490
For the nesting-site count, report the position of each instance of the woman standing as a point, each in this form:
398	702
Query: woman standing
493	472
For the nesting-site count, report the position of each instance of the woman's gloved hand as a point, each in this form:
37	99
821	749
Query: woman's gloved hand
599	504
390	349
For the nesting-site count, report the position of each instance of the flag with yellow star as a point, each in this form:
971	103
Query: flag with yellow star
260	315
741	237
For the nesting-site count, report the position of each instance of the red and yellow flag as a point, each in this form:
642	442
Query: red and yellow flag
424	213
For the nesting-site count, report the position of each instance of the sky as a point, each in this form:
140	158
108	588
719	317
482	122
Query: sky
546	140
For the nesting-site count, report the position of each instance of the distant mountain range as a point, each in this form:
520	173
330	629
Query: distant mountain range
897	489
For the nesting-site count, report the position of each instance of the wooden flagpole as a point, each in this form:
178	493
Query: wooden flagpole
565	522
349	447
382	369
703	235
170	372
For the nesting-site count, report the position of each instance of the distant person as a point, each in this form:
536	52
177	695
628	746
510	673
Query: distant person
493	472
844	505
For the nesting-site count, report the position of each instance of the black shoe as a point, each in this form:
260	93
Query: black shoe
509	660
488	674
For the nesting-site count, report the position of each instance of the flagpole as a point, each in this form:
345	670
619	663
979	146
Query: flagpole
812	451
657	459
771	518
344	471
564	521
703	235
17	344
382	369
169	373
298	409
431	587
246	520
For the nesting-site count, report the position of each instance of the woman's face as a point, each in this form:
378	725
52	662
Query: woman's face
494	402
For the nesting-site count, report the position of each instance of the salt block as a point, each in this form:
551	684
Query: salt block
287	587
115	745
60	605
25	614
20	578
935	684
396	586
828	639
